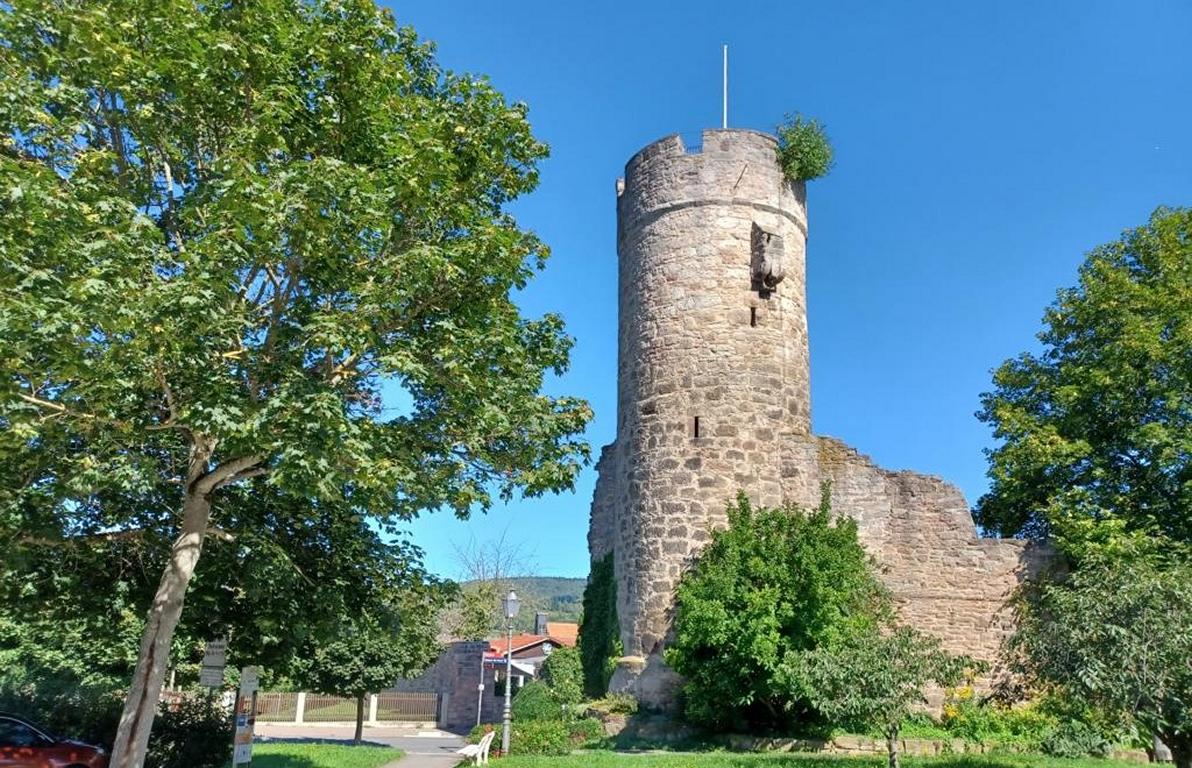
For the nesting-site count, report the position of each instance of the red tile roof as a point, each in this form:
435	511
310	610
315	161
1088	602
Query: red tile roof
498	645
566	632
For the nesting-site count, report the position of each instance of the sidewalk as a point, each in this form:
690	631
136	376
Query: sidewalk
420	760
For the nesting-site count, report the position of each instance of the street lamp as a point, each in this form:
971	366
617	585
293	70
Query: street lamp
511	604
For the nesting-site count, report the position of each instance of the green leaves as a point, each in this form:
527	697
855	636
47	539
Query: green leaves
1098	425
1115	633
240	222
804	151
600	629
773	585
877	678
563	674
224	230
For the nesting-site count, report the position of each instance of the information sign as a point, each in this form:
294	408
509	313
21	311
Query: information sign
215	657
246	716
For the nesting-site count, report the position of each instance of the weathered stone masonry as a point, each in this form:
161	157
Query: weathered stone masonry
714	396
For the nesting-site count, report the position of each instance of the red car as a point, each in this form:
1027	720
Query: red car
25	745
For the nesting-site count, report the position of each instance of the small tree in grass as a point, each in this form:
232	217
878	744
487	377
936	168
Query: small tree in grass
367	658
373	650
877	679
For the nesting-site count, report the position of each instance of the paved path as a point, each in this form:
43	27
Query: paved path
424	748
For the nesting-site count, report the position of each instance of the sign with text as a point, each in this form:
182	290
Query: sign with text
211	677
216	653
215	657
246	716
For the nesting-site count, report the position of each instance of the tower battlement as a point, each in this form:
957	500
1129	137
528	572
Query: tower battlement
731	167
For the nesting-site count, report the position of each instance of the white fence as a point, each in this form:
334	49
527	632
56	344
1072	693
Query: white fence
384	707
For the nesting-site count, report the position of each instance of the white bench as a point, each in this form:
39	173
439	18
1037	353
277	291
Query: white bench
478	752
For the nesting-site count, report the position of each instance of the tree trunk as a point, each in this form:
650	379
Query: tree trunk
140	707
1181	749
359	719
892	746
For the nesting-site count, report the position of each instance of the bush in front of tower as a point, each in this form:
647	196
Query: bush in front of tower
772	587
804	151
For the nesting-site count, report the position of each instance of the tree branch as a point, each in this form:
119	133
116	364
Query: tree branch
254	472
224	473
171	221
344	369
216	532
62	409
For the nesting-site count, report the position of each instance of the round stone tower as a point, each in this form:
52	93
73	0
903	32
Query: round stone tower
713	369
713	397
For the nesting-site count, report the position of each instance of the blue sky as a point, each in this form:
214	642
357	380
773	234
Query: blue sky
982	150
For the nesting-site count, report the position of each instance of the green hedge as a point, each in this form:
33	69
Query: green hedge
535	702
563	674
545	737
194	733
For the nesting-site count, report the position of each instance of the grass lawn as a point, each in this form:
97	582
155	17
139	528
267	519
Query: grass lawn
737	760
282	755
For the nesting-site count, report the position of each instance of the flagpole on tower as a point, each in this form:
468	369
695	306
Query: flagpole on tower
724	115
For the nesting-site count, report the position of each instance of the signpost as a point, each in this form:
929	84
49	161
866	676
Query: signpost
215	658
246	716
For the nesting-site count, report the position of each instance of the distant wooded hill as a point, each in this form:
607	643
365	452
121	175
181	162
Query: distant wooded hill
561	598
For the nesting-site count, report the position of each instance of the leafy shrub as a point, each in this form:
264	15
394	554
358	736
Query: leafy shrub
563	674
1053	724
804	151
191	733
989	722
600	629
1073	738
771	587
616	704
67	709
544	737
920	726
540	737
585	730
535	702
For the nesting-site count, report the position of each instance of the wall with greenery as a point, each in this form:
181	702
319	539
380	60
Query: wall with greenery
600	630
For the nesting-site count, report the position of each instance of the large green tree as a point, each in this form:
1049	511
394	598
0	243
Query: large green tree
1117	633
281	586
225	229
772	586
1097	425
277	573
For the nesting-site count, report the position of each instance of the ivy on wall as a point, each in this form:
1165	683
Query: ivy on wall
600	629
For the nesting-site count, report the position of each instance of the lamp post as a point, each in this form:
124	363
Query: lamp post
511	605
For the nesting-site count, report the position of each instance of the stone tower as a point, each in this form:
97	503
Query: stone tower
714	397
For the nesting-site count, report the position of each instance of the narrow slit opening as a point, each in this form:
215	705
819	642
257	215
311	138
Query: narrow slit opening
695	427
753	317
